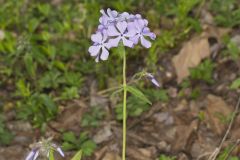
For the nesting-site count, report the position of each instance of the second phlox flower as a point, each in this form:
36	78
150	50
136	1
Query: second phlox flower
120	32
100	47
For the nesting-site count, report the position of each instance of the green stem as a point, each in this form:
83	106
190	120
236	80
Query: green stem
124	107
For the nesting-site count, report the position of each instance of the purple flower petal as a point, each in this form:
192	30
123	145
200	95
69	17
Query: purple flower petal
103	12
149	75
105	36
60	151
131	16
130	33
112	31
112	13
146	32
141	23
127	42
152	35
94	50
135	39
124	15
138	16
36	155
97	37
100	27
30	155
105	54
103	20
155	82
131	26
145	22
122	26
145	42
114	42
108	45
137	26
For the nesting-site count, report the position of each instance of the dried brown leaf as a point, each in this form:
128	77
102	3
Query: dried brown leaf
190	56
141	153
111	156
216	110
182	140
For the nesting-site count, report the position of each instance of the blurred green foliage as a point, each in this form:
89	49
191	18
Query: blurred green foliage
77	156
232	49
203	71
44	56
225	154
82	142
5	135
187	84
92	117
175	23
136	107
235	84
43	48
227	12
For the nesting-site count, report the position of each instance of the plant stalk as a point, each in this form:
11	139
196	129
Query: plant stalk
124	141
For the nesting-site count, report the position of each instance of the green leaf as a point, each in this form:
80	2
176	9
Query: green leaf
77	156
203	71
88	147
5	137
156	95
138	94
68	146
33	24
51	156
235	84
50	79
30	65
69	137
70	93
23	88
233	158
83	137
49	103
73	79
60	65
44	9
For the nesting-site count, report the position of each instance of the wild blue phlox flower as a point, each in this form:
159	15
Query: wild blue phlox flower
117	27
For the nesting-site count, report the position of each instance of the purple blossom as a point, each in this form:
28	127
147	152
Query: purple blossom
120	32
109	17
100	47
33	155
153	80
58	149
139	26
118	27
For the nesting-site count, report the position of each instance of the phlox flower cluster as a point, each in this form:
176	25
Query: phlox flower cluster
116	28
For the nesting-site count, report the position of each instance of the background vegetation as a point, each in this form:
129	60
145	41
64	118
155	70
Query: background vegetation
45	65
